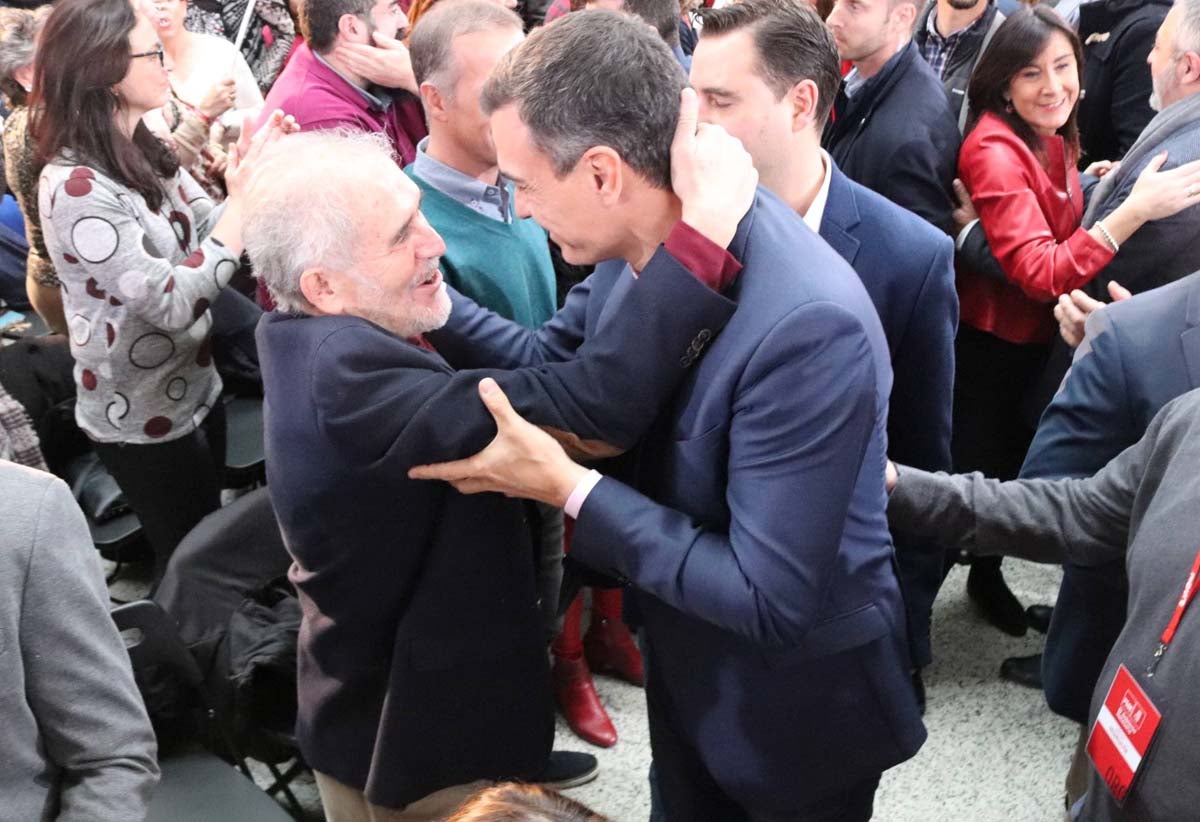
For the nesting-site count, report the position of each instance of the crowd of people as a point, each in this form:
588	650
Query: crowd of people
905	285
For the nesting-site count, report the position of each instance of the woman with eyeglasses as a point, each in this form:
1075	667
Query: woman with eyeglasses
142	252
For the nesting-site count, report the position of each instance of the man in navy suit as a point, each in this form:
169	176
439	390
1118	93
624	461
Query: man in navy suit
1138	355
768	72
892	129
422	662
751	519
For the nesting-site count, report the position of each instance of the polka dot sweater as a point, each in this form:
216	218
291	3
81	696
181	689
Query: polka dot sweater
137	285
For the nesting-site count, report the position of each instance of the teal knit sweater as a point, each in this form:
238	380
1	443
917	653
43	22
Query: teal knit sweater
502	266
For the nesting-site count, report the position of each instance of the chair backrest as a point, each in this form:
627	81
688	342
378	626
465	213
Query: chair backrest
156	642
154	645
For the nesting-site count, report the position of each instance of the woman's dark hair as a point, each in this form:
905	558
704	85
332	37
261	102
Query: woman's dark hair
1016	44
82	53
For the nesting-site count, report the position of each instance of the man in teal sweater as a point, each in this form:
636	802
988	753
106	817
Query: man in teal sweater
495	258
492	256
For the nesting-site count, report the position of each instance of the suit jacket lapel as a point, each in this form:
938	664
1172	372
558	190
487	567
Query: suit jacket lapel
616	296
840	217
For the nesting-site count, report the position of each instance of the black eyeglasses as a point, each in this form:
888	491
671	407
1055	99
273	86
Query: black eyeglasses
158	52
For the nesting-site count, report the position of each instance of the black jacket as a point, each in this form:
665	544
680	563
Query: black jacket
1117	37
899	138
957	74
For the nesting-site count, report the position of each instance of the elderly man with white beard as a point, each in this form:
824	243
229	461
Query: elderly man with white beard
423	670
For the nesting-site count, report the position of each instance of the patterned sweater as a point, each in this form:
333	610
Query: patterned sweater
137	285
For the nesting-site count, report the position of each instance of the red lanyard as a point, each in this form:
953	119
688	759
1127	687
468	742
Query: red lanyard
1185	599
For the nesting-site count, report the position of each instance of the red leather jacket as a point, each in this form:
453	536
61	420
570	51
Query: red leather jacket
1031	214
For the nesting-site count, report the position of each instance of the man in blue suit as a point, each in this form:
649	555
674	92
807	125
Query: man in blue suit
751	519
768	72
1138	355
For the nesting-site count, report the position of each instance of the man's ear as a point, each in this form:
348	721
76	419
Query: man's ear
434	102
905	13
352	29
1190	72
804	98
605	170
320	288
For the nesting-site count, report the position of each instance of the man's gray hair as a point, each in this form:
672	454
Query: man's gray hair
298	207
594	78
431	44
1187	36
18	41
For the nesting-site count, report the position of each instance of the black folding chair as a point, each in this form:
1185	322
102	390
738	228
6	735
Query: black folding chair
230	553
196	785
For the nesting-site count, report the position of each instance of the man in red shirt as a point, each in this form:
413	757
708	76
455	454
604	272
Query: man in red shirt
352	73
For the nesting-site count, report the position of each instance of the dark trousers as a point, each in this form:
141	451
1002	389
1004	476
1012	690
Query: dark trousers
171	485
686	792
994	381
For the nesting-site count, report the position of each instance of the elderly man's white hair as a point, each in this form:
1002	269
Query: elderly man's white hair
297	210
1187	36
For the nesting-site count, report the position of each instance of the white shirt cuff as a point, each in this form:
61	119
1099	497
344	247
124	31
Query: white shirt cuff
580	494
962	235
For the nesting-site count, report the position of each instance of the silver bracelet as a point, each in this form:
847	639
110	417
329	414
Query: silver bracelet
1107	236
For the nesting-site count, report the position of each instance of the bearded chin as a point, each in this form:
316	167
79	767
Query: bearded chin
433	317
413	320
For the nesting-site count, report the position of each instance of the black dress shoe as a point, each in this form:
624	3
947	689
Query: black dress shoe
987	589
1023	670
567	769
1038	617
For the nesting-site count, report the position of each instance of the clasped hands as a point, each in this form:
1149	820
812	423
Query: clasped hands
715	181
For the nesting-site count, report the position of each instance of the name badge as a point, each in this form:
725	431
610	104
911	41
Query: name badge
1121	736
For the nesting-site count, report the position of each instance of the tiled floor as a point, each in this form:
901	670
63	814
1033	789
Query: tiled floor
995	752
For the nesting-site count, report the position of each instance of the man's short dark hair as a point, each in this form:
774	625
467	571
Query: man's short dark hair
319	20
432	39
594	78
792	41
662	14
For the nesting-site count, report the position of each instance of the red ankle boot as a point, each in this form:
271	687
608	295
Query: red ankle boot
580	704
609	649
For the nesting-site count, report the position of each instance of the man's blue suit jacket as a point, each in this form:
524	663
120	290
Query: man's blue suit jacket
1139	355
754	521
907	267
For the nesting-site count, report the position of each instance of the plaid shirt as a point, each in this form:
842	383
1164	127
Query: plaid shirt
937	49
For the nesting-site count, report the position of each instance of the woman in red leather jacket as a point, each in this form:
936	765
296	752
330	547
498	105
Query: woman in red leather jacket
1018	162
